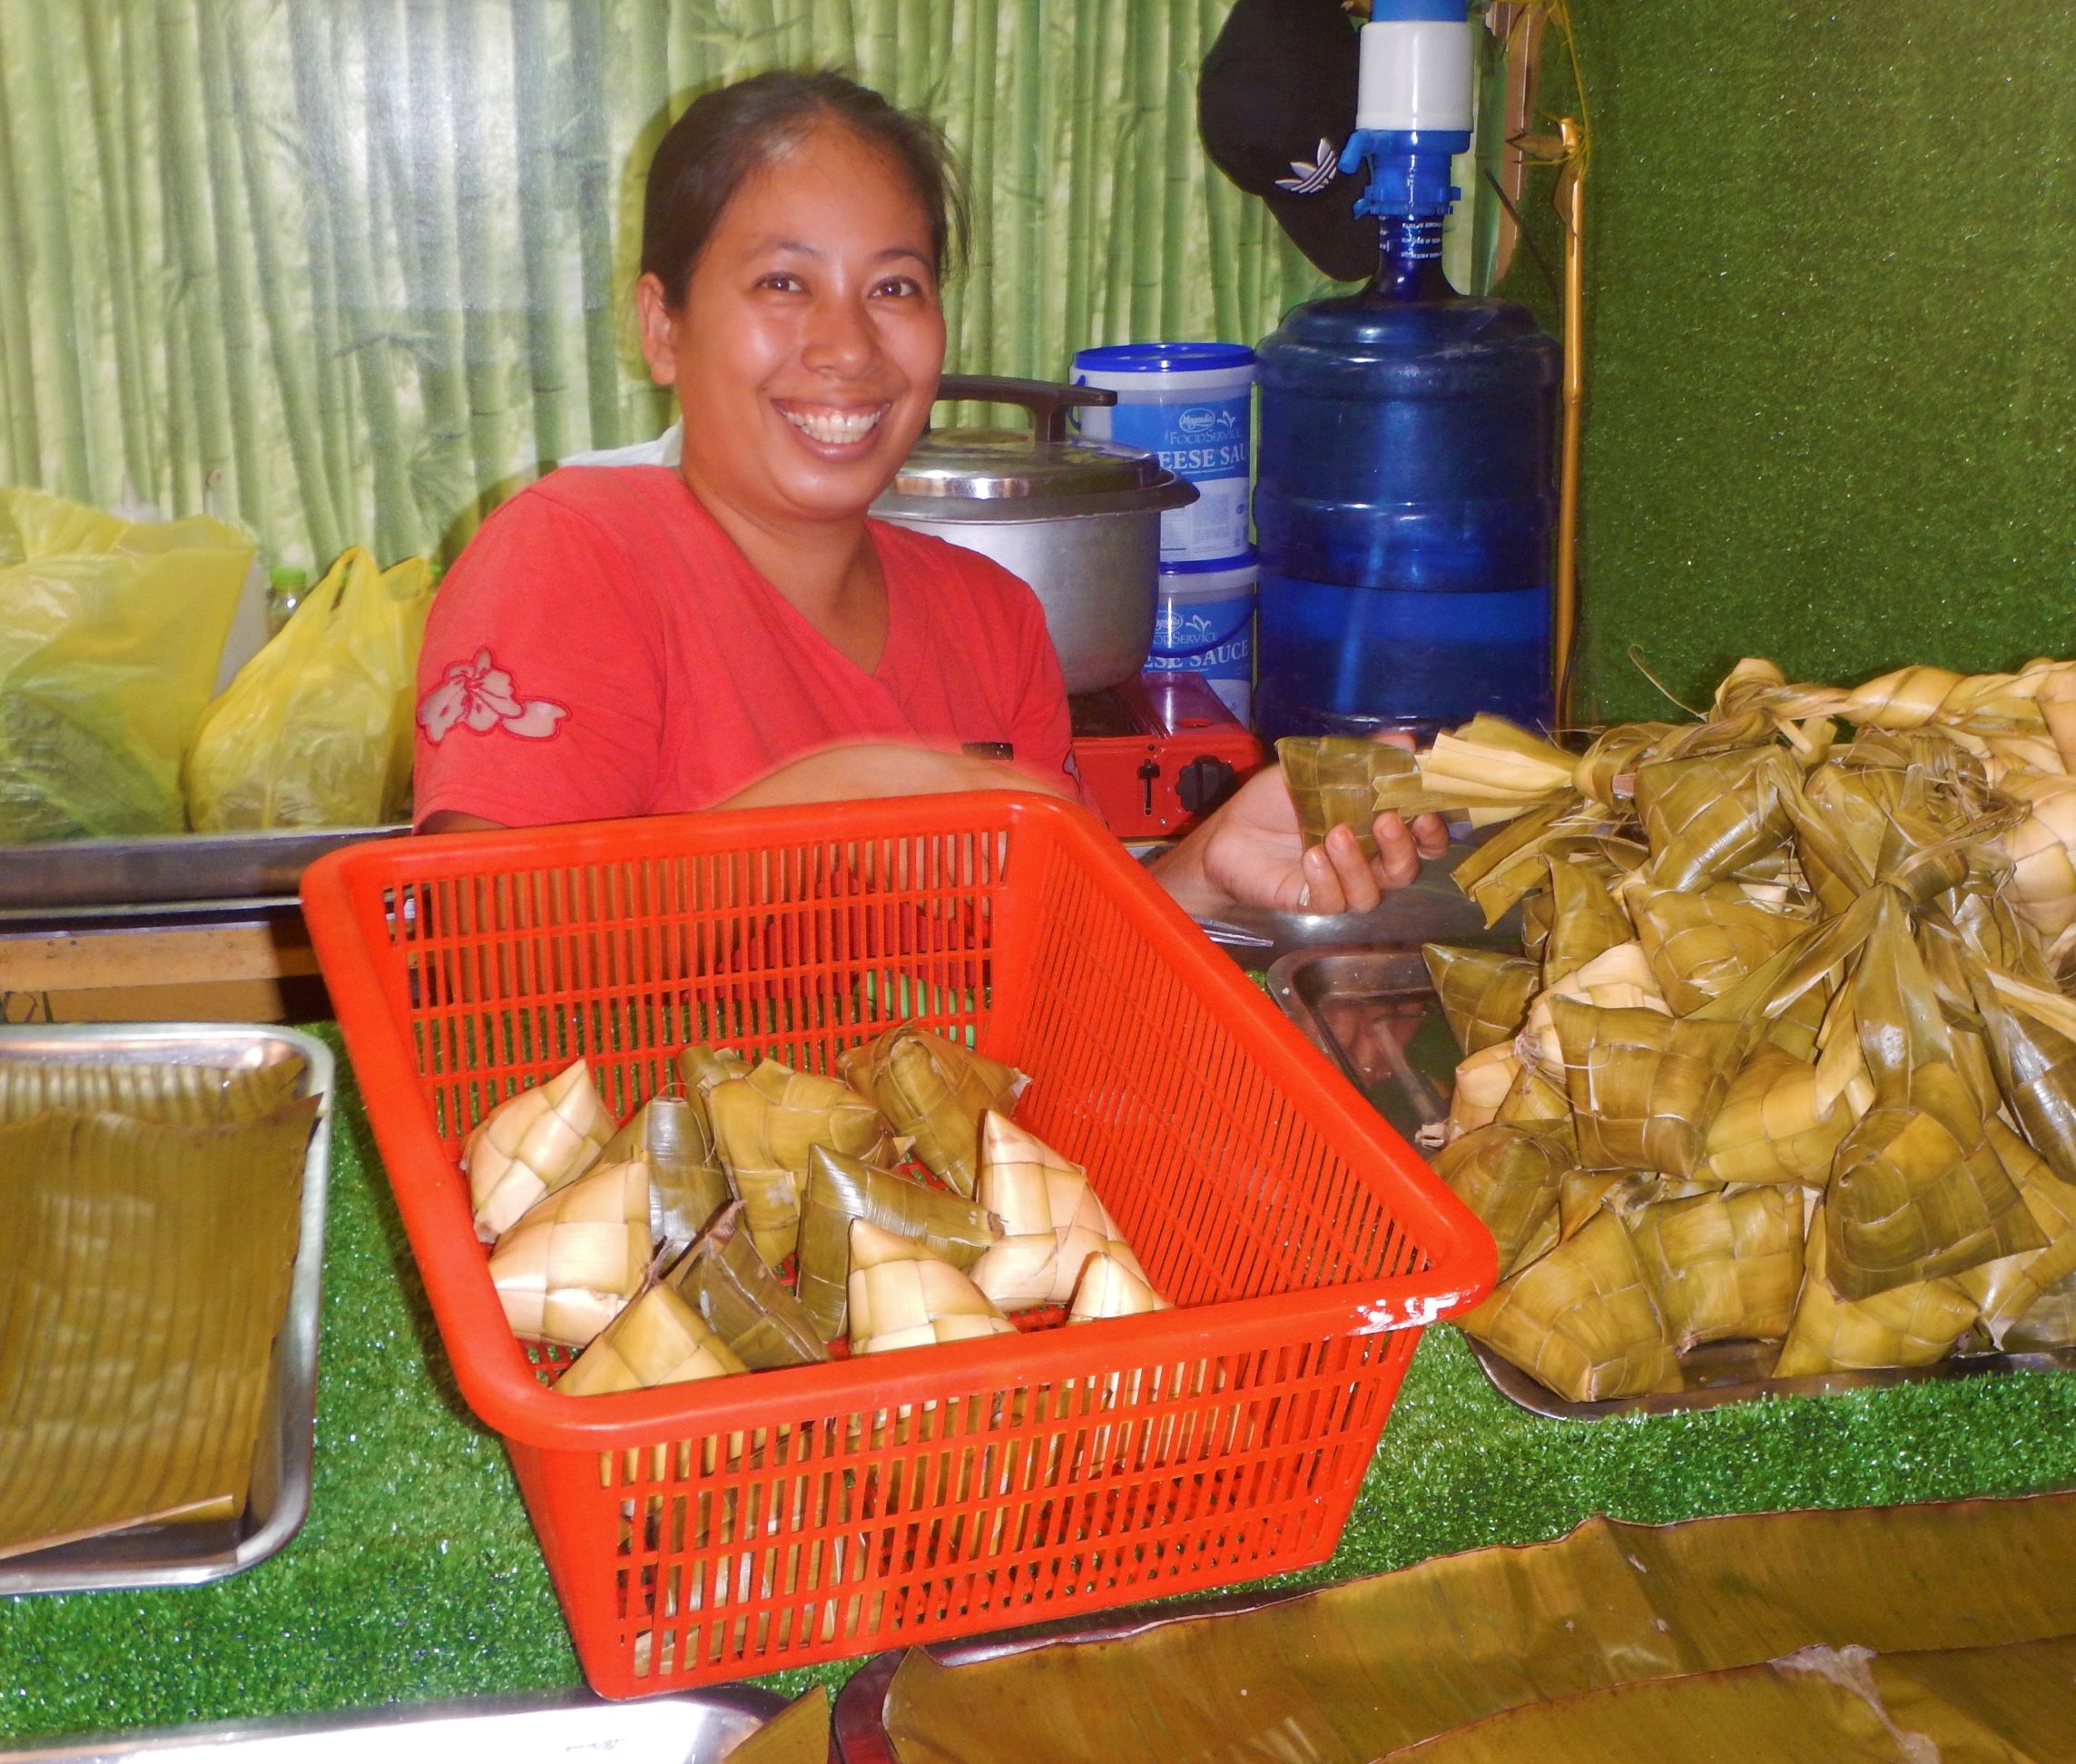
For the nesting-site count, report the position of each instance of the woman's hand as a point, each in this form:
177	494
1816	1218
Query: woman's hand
1249	853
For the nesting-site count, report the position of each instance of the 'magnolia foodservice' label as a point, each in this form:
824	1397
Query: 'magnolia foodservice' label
1205	441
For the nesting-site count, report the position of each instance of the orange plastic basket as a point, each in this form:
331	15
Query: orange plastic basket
700	1532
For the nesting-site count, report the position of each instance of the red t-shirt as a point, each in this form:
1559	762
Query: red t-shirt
603	649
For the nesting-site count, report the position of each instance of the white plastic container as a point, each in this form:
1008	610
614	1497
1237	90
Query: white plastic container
1204	622
1192	404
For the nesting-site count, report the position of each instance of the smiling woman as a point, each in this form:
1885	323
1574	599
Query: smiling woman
736	630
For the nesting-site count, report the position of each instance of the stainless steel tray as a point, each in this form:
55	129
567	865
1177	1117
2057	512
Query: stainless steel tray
692	1728
195	1555
1374	1013
181	867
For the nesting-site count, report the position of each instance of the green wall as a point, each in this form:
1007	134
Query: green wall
1833	412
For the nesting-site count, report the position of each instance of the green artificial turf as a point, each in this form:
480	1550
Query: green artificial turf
417	1577
1829	386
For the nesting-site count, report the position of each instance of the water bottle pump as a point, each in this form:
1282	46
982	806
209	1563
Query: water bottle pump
1406	486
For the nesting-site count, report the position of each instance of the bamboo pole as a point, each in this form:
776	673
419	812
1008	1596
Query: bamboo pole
1220	203
145	249
593	173
17	360
47	190
1149	172
879	55
1180	289
538	98
122	271
443	477
315	152
832	33
1571	203
1080	254
184	182
1121	224
488	343
294	370
236	279
1021	276
358	206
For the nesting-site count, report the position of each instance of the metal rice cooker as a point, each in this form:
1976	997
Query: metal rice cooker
1079	520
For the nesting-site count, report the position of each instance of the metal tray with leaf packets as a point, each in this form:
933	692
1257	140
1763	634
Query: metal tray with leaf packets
1374	1013
197	1552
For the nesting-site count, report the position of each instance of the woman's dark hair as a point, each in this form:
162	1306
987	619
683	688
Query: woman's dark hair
728	133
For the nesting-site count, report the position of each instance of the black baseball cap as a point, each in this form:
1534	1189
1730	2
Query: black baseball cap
1276	99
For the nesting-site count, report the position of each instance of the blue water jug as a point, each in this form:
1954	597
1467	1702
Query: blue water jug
1405	495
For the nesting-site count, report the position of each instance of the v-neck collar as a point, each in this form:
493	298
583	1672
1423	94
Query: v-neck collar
893	661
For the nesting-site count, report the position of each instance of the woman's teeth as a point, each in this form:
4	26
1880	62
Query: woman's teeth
835	426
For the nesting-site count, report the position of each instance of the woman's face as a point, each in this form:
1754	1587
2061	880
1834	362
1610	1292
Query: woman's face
806	354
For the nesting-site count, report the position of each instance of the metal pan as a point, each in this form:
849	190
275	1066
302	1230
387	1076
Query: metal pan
196	1554
1374	1014
72	874
692	1728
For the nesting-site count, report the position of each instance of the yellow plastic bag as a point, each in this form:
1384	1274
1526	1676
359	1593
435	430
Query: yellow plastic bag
109	639
315	730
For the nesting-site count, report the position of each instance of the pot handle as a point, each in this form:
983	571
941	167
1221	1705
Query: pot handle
1046	400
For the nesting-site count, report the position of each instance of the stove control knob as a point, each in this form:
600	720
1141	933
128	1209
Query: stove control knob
1204	784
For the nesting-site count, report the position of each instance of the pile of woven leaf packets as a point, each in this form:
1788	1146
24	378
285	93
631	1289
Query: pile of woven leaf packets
1787	1056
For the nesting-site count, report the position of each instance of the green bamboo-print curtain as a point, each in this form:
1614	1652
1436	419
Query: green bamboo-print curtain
349	271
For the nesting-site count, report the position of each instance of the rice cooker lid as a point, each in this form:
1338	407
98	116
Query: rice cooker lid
952	469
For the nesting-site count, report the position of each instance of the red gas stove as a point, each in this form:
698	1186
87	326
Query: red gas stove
1159	752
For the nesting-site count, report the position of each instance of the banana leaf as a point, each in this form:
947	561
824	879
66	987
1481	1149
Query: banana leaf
1509	1177
659	1339
841	1189
700	1069
1585	919
1706	819
797	1734
1606	771
1990	930
1904	1326
2007	1289
1700	945
2047	1324
1484	1081
1580	1194
1822	1705
147	1091
742	1300
1500	870
1722	1268
1783	1119
1348	1673
1333	780
1535	1101
2035	1063
935	1091
1643	1086
765	1125
1916	1192
1535	924
1838	829
1484	994
144	1277
574	1260
1582	1319
687	1185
